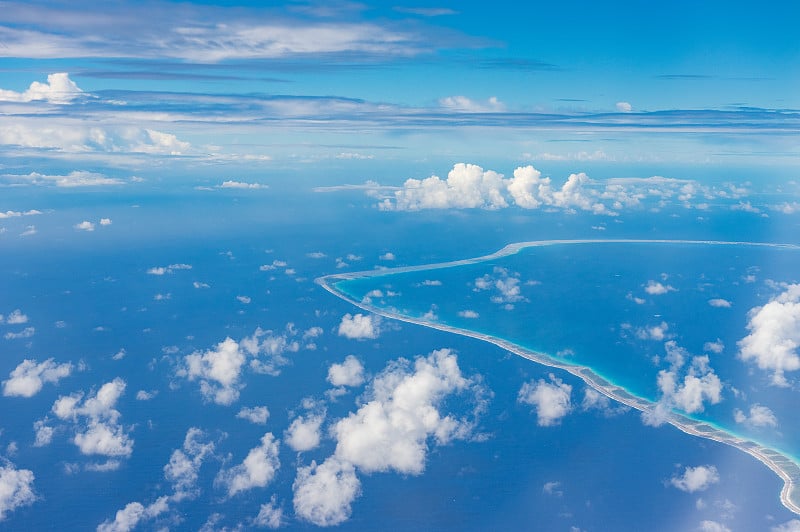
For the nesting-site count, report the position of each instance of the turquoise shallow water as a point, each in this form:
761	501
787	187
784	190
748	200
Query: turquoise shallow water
589	304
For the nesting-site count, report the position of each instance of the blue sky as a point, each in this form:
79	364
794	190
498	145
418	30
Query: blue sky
304	82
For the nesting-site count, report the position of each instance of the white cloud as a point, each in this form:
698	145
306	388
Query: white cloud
101	433
16	318
161	270
183	468
244	299
271	346
198	284
789	526
134	513
16	488
760	416
467	186
700	383
256	471
304	432
774	335
719	302
653	332
348	373
387	256
27	332
552	401
463	104
654	288
256	414
714	347
30	230
624	107
269	516
694	479
316	255
59	89
85	226
323	494
390	431
506	285
218	371
713	526
470	314
27	379
76	178
242	185
143	395
14	214
44	434
360	326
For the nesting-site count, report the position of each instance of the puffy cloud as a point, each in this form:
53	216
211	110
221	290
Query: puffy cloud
714	347
390	431
624	107
105	221
760	416
694	479
267	349
183	468
27	379
719	303
269	516
218	371
506	286
101	433
256	414
129	517
16	488
467	186
44	434
469	314
244	299
256	471
14	214
360	326
653	332
654	288
774	335
143	395
85	226
699	384
304	432
594	400
59	89
387	256
551	399
161	270
323	494
348	373
16	318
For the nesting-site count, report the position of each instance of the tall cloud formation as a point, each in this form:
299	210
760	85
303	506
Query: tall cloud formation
775	335
59	89
389	432
469	186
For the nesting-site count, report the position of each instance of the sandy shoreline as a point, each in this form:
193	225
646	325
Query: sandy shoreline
782	465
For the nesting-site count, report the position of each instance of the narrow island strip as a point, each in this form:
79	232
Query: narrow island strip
781	464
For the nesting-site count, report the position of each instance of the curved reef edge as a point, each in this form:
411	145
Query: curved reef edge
781	464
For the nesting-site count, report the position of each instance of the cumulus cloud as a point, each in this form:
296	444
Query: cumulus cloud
759	416
257	414
256	471
27	379
551	399
16	318
85	226
469	314
654	288
218	371
700	384
324	494
96	420
624	107
76	178
789	526
128	518
774	335
713	526
27	332
14	214
390	431
183	468
695	479
505	285
267	348
16	488
360	326
59	89
653	332
304	432
348	373
270	515
105	221
467	186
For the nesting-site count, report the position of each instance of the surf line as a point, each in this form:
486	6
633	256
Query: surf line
782	465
